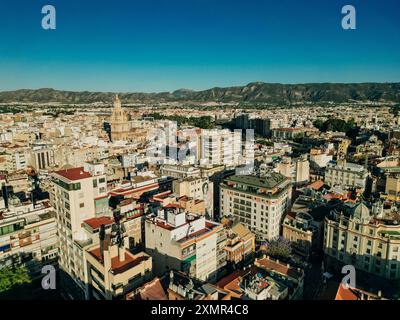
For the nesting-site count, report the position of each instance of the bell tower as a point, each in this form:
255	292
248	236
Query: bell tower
119	121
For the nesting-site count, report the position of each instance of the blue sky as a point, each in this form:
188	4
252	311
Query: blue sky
163	45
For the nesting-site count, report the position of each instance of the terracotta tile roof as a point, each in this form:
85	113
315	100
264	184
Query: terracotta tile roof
344	293
278	267
316	185
74	174
226	281
95	223
152	290
118	266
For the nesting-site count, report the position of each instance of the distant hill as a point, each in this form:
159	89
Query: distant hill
256	92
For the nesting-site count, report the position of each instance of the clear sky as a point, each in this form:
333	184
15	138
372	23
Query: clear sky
163	45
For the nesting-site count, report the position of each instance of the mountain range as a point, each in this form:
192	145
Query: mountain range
255	92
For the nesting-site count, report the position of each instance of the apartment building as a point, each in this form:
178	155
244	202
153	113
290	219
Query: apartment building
28	236
298	169
221	147
196	188
302	231
363	236
77	195
240	243
346	175
257	202
114	271
184	241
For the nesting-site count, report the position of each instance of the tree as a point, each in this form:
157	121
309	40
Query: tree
279	248
12	278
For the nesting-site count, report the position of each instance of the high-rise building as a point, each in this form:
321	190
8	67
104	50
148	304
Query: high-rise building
221	147
257	202
78	194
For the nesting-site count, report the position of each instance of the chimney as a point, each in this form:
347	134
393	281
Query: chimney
102	236
121	253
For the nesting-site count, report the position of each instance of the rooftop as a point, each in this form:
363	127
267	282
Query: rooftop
96	222
118	266
270	181
74	174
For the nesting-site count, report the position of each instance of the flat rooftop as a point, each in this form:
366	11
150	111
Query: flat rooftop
270	181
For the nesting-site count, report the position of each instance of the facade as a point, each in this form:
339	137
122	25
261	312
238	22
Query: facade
259	203
346	175
287	133
114	271
196	188
367	238
187	242
77	195
221	147
119	122
28	237
240	244
392	188
180	171
122	128
298	170
302	231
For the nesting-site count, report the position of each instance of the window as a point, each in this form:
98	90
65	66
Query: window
95	183
82	205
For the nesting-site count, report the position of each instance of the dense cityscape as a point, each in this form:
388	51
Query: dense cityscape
199	201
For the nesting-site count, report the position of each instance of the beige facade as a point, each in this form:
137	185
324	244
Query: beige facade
346	175
369	242
198	189
258	203
114	272
392	188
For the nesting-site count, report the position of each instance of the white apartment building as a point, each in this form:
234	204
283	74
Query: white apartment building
221	147
186	242
257	202
78	194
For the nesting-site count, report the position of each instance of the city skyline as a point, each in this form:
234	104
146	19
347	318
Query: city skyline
161	46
